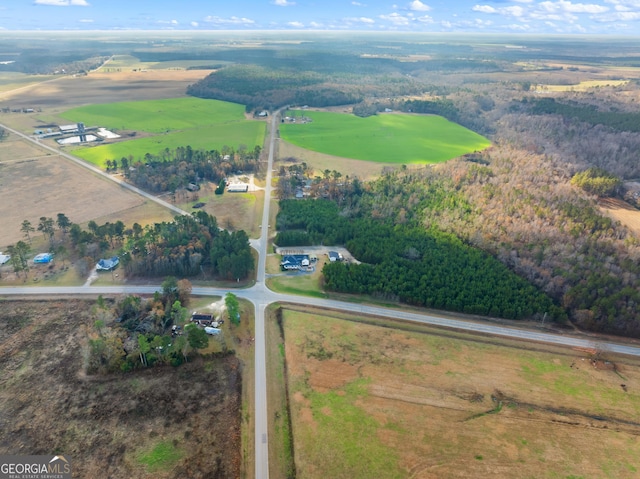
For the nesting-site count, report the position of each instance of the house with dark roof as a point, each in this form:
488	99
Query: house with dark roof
107	264
334	256
295	261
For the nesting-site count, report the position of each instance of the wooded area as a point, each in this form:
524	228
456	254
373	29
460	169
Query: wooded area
174	169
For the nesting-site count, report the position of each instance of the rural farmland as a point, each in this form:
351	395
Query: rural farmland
368	401
202	124
387	138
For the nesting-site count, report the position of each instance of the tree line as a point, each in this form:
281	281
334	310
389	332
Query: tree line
261	88
170	170
408	263
186	246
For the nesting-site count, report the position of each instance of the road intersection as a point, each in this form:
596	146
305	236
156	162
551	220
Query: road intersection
261	297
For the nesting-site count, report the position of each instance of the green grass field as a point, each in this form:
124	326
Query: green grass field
203	124
158	116
402	139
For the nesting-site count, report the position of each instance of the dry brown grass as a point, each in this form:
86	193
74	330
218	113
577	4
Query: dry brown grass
622	212
447	405
319	162
48	185
104	424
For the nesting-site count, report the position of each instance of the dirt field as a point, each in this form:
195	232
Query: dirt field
34	183
45	185
97	87
117	426
622	212
319	161
369	401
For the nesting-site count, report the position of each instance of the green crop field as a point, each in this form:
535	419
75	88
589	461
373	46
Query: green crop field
203	124
393	138
158	116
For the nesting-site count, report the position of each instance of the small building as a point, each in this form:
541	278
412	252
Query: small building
4	258
238	188
202	319
43	258
295	261
107	264
334	256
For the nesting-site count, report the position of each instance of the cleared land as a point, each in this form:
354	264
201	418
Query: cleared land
98	87
320	162
48	185
622	212
582	86
233	211
203	124
387	138
369	401
157	423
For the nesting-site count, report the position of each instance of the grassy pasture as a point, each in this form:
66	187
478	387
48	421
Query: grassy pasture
387	138
206	124
212	137
158	116
370	401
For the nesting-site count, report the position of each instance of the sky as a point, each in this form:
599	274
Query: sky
617	17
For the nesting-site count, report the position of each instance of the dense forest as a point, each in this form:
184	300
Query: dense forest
552	236
590	114
405	262
267	89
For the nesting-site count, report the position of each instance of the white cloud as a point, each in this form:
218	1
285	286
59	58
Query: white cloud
229	21
484	9
316	25
424	19
296	24
283	3
620	16
194	24
358	4
86	20
365	20
514	11
396	19
569	7
62	3
168	22
418	6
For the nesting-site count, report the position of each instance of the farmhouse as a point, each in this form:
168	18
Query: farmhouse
294	261
107	264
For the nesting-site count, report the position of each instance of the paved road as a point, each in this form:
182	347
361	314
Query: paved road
97	171
261	297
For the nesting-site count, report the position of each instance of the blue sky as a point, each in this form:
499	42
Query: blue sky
621	17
